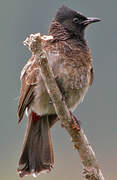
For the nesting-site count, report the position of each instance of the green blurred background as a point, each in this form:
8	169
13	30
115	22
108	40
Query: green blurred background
98	113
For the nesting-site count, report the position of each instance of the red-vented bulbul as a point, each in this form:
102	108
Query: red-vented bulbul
69	56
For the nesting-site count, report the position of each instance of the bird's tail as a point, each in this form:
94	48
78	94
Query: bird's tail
37	153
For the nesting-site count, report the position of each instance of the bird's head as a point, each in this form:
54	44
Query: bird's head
73	21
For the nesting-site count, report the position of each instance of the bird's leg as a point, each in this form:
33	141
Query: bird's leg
75	122
63	96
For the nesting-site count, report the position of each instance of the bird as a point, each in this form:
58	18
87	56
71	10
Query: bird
70	58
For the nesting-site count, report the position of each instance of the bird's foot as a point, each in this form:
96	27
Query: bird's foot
75	122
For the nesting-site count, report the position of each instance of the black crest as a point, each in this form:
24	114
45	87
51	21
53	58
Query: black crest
64	13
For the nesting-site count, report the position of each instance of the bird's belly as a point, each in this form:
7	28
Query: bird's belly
74	100
43	105
73	82
74	86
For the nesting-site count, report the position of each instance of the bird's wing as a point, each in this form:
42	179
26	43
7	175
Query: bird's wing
91	77
28	82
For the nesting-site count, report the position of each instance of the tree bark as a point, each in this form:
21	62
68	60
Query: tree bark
91	170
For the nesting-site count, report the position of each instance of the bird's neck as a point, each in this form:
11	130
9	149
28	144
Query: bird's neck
59	33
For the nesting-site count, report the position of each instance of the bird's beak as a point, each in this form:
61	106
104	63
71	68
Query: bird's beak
90	20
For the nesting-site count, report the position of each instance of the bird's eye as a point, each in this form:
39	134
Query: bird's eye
76	20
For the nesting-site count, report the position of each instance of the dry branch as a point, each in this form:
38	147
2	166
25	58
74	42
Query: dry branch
87	155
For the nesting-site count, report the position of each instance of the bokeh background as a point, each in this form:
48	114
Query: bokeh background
98	113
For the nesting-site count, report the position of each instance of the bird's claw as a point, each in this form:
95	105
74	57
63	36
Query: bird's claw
75	122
